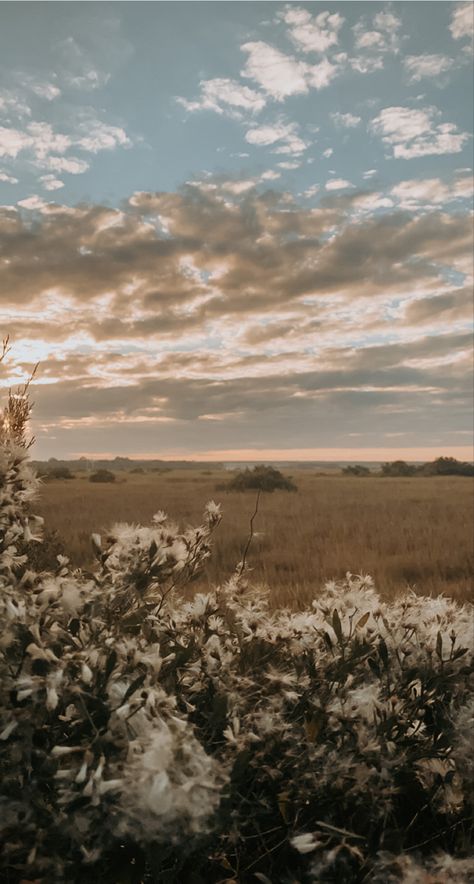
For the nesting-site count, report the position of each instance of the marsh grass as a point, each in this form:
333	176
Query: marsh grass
407	531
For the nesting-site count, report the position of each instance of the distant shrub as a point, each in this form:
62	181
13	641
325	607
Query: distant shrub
59	472
102	476
137	471
261	478
398	468
448	466
356	470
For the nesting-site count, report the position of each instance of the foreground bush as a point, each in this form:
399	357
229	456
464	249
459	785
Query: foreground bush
146	736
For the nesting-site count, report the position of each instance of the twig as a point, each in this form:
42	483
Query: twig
250	537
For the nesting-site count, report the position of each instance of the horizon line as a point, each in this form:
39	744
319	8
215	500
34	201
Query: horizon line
301	455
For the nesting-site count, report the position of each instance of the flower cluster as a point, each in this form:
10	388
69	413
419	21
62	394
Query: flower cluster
148	734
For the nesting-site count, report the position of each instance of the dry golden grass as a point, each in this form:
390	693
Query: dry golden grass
401	531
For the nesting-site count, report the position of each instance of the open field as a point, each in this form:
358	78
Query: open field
401	531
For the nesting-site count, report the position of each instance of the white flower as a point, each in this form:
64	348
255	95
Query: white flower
305	843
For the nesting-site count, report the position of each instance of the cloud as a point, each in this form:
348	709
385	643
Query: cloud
8	179
101	136
43	89
337	184
269	135
446	308
312	33
278	74
49	182
218	299
366	65
414	133
225	96
281	75
328	152
462	24
416	193
33	203
421	66
347	121
381	35
12	141
79	68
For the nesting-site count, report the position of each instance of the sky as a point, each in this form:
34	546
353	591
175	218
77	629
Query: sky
239	230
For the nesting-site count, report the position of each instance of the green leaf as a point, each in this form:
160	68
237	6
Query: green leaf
439	645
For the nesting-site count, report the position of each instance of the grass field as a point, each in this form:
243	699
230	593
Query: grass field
401	531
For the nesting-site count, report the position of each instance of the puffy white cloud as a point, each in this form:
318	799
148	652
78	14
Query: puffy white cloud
289	164
366	64
381	35
226	96
72	165
286	133
347	121
312	33
425	192
420	66
328	152
462	23
270	175
414	133
33	203
49	182
278	74
338	184
101	136
281	75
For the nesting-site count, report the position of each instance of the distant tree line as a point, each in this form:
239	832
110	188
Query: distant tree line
442	466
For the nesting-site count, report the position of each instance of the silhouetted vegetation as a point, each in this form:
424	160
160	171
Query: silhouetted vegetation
260	478
356	470
442	466
102	476
59	472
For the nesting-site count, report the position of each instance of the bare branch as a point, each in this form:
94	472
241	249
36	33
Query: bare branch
250	537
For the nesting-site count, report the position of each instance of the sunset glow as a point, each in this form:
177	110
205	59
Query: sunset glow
249	237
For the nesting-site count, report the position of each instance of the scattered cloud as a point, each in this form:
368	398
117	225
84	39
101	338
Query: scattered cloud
419	67
328	152
374	39
281	75
312	33
225	96
337	184
278	74
8	179
49	182
284	135
33	203
414	132
364	64
462	24
427	192
347	121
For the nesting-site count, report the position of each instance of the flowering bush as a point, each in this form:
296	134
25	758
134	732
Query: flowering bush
147	735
